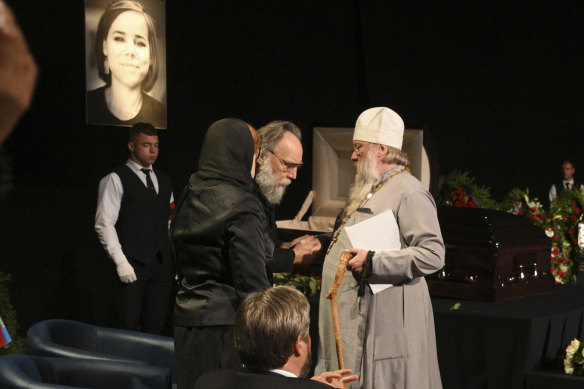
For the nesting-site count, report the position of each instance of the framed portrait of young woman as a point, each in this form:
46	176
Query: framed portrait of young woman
125	62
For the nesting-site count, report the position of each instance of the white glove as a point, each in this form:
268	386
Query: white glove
125	270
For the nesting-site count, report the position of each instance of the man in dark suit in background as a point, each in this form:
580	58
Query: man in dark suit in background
273	341
133	209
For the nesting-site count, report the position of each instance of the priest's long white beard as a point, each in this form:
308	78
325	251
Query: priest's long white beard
366	178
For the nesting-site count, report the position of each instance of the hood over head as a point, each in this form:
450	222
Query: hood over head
227	153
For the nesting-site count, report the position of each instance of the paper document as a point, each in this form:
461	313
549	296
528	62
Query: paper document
377	233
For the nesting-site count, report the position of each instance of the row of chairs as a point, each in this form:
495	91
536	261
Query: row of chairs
70	354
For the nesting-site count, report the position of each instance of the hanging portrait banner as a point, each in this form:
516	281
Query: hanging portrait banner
125	51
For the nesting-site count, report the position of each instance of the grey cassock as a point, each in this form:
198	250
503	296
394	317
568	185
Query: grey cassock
388	338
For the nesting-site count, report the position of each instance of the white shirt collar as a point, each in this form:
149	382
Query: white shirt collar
135	166
284	373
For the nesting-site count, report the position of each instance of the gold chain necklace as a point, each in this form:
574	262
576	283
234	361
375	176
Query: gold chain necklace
369	195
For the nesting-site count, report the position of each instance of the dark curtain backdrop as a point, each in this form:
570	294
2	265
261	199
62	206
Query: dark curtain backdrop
498	85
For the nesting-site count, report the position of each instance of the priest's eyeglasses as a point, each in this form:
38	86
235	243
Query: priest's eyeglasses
287	166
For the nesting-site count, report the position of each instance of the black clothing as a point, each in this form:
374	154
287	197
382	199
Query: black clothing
142	224
219	231
560	186
253	379
144	304
219	235
283	259
152	111
215	349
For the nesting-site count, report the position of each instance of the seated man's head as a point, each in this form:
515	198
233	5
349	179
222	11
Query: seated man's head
272	331
280	158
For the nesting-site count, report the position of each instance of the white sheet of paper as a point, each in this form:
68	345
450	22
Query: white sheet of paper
379	232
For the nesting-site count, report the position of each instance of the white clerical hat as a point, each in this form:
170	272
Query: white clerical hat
380	125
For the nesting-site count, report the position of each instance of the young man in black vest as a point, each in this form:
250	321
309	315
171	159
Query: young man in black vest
133	209
567	183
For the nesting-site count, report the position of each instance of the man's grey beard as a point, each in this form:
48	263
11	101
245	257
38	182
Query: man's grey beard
366	178
268	183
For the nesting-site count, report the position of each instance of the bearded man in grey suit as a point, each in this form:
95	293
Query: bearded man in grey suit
387	333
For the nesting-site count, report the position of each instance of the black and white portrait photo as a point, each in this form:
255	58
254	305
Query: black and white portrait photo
125	62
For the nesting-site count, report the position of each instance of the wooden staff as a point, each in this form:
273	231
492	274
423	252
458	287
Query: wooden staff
332	295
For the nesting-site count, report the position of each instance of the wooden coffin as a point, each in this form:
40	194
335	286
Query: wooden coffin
491	256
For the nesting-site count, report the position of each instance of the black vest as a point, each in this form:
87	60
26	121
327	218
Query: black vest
142	224
560	186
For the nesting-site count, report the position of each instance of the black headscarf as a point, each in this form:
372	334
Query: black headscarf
226	155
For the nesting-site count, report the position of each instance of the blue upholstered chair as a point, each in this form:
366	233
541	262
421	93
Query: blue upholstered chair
66	338
34	372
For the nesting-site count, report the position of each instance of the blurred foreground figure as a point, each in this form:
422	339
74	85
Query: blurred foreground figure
18	72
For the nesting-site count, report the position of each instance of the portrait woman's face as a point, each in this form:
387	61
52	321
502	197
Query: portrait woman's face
127	49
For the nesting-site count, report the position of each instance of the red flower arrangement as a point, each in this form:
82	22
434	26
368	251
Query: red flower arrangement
461	198
566	211
459	190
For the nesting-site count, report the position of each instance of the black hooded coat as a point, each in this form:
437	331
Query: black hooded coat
220	231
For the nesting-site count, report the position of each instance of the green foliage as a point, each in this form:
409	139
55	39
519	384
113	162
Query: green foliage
9	317
511	199
310	286
458	189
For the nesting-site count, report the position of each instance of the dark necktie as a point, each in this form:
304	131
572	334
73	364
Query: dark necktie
568	185
149	182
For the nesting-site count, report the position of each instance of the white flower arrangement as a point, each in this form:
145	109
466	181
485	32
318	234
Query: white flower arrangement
517	206
574	360
549	232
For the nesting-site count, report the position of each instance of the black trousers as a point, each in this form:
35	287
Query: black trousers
144	305
198	349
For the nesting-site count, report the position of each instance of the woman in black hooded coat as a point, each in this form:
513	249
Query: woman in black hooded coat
220	239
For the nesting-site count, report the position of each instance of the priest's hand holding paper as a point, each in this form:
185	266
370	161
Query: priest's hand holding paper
378	233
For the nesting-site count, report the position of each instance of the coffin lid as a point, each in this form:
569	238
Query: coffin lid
478	226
